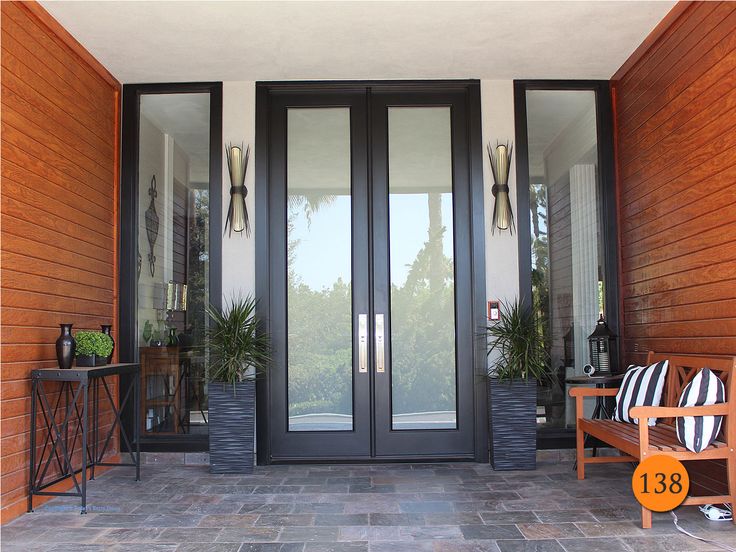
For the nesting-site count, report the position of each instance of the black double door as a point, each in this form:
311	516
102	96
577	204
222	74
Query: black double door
369	278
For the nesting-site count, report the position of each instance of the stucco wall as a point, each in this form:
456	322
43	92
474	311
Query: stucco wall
238	252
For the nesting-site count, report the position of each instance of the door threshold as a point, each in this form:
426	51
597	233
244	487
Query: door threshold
374	460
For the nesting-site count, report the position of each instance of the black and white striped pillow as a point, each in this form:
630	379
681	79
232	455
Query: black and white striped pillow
698	432
641	386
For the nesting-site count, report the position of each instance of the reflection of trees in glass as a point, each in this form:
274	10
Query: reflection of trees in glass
540	257
320	330
423	326
197	270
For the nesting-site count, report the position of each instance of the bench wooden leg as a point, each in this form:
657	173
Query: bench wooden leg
731	474
580	452
646	518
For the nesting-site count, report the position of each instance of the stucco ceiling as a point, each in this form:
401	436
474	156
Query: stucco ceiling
159	41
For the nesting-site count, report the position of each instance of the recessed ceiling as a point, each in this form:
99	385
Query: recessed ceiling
155	41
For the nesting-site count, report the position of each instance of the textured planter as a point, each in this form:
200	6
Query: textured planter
512	414
231	427
89	361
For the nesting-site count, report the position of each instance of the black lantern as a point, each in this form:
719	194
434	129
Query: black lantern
601	342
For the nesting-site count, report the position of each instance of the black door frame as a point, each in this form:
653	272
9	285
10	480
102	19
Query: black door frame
565	438
127	343
266	94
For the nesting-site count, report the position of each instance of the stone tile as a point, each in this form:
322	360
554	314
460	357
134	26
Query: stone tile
500	518
309	534
466	546
604	544
172	520
610	529
148	547
424	507
431	533
529	546
137	534
494	532
419	546
272	547
534	531
397	519
399	507
208	547
562	516
341	519
228	520
248	534
336	547
455	518
673	543
117	520
285	520
189	534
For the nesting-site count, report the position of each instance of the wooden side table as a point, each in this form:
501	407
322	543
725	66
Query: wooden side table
162	390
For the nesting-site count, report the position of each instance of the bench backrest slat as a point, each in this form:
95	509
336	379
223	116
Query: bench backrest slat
682	369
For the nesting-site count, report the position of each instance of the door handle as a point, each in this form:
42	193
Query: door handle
363	343
380	353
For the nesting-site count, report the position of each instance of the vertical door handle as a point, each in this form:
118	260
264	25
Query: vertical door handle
363	343
380	353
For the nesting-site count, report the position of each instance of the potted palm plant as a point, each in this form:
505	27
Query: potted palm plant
239	352
518	361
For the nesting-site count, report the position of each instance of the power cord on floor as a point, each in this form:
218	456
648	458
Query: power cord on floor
689	534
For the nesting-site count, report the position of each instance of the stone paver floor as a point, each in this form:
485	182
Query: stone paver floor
457	507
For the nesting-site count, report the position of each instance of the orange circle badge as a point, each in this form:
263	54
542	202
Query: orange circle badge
660	483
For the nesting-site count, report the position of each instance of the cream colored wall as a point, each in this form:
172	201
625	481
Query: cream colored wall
238	252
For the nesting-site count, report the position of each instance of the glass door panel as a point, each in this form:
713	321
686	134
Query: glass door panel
319	253
422	268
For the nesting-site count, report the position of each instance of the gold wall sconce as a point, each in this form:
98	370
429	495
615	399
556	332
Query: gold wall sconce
500	157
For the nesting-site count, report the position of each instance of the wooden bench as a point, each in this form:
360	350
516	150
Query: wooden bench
637	442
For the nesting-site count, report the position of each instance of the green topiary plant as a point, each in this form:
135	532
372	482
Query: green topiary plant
93	343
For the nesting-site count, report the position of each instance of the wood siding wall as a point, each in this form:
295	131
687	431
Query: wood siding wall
59	212
675	105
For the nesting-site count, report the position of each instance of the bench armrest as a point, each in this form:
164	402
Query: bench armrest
640	412
593	392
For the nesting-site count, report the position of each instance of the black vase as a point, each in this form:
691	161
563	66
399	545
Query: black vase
65	347
107	330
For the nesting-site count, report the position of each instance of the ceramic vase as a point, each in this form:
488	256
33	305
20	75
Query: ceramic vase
65	347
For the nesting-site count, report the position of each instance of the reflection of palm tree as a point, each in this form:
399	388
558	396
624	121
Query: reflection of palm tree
311	202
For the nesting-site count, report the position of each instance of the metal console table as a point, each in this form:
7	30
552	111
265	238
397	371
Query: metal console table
76	383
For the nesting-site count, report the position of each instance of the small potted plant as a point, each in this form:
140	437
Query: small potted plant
239	352
518	362
93	348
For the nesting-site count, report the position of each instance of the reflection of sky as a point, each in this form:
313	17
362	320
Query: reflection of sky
324	251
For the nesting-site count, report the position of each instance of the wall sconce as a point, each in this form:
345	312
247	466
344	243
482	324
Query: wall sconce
500	157
237	213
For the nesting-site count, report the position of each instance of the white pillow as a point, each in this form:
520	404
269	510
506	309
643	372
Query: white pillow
698	432
641	386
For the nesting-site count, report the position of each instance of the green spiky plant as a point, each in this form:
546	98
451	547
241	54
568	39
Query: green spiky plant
518	343
238	350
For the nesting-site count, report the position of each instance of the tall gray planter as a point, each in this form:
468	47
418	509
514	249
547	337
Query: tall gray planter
512	413
232	426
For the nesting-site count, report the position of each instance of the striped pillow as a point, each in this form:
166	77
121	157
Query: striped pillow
698	432
641	386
